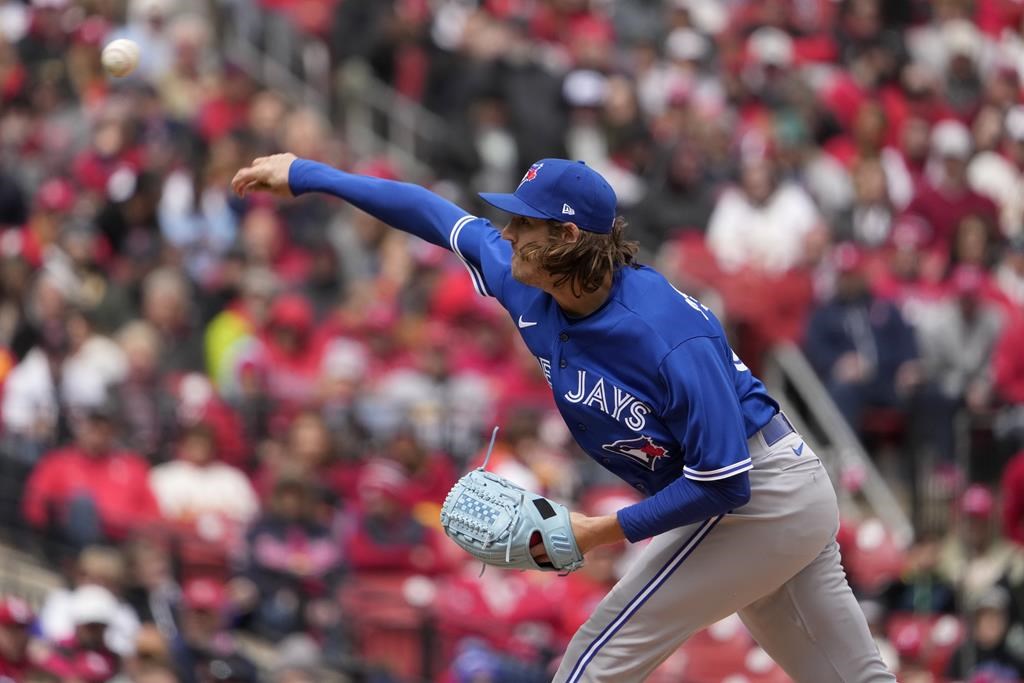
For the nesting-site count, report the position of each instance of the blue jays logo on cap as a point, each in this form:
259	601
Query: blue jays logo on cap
641	449
531	174
565	191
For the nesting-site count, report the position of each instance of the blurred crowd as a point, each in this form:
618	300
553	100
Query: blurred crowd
228	422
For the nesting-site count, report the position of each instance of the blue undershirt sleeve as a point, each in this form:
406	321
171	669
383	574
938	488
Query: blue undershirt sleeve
407	207
703	412
683	502
417	211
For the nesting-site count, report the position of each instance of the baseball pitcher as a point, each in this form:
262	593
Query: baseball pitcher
742	514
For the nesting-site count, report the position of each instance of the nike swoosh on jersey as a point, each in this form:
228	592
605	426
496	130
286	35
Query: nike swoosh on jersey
798	450
524	324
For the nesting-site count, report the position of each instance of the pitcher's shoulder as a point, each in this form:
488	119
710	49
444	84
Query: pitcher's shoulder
673	314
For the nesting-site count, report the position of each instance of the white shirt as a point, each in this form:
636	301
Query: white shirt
770	237
183	489
56	623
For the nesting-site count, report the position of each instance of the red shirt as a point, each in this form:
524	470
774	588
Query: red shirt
11	670
944	209
118	483
73	662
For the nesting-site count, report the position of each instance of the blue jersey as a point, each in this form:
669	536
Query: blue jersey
647	383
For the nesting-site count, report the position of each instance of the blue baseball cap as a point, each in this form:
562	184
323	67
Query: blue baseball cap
561	190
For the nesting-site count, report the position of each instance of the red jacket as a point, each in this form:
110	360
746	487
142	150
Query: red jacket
118	483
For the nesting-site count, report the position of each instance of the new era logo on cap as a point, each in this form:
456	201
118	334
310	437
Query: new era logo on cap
565	188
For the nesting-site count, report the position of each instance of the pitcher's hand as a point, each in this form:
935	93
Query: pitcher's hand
267	174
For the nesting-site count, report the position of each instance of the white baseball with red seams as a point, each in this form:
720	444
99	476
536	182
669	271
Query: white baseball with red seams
120	57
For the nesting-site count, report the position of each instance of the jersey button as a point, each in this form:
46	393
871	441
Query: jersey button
641	488
563	363
582	427
564	337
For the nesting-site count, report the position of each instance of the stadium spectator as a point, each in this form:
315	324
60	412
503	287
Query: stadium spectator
975	555
921	588
203	639
988	656
167	304
860	345
95	566
16	617
383	536
196	485
956	354
90	490
151	588
869	220
84	654
292	562
945	199
765	223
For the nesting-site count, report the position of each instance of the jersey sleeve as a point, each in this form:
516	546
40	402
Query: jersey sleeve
703	411
417	211
487	257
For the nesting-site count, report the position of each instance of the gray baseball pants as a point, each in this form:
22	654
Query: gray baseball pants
774	561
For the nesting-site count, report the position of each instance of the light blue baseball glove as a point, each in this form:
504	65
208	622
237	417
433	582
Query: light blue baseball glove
498	522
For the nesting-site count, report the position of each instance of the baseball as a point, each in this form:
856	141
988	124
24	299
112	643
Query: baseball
120	57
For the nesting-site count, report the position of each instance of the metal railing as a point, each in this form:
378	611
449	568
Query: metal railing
271	49
375	118
786	367
380	120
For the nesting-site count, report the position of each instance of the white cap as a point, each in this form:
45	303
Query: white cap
709	16
769	45
585	88
345	359
1015	122
951	139
961	38
149	8
685	44
92	604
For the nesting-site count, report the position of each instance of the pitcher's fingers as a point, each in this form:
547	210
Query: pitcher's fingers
539	553
244	180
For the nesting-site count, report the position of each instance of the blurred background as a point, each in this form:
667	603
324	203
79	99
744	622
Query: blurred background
226	426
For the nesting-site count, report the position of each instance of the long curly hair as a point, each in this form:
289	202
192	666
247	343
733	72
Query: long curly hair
586	262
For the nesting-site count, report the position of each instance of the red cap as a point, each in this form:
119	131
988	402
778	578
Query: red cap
292	310
848	257
56	194
204	594
383	477
977	501
15	612
910	233
908	639
967	280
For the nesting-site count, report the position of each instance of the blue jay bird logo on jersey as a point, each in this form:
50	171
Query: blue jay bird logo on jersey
531	174
642	449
